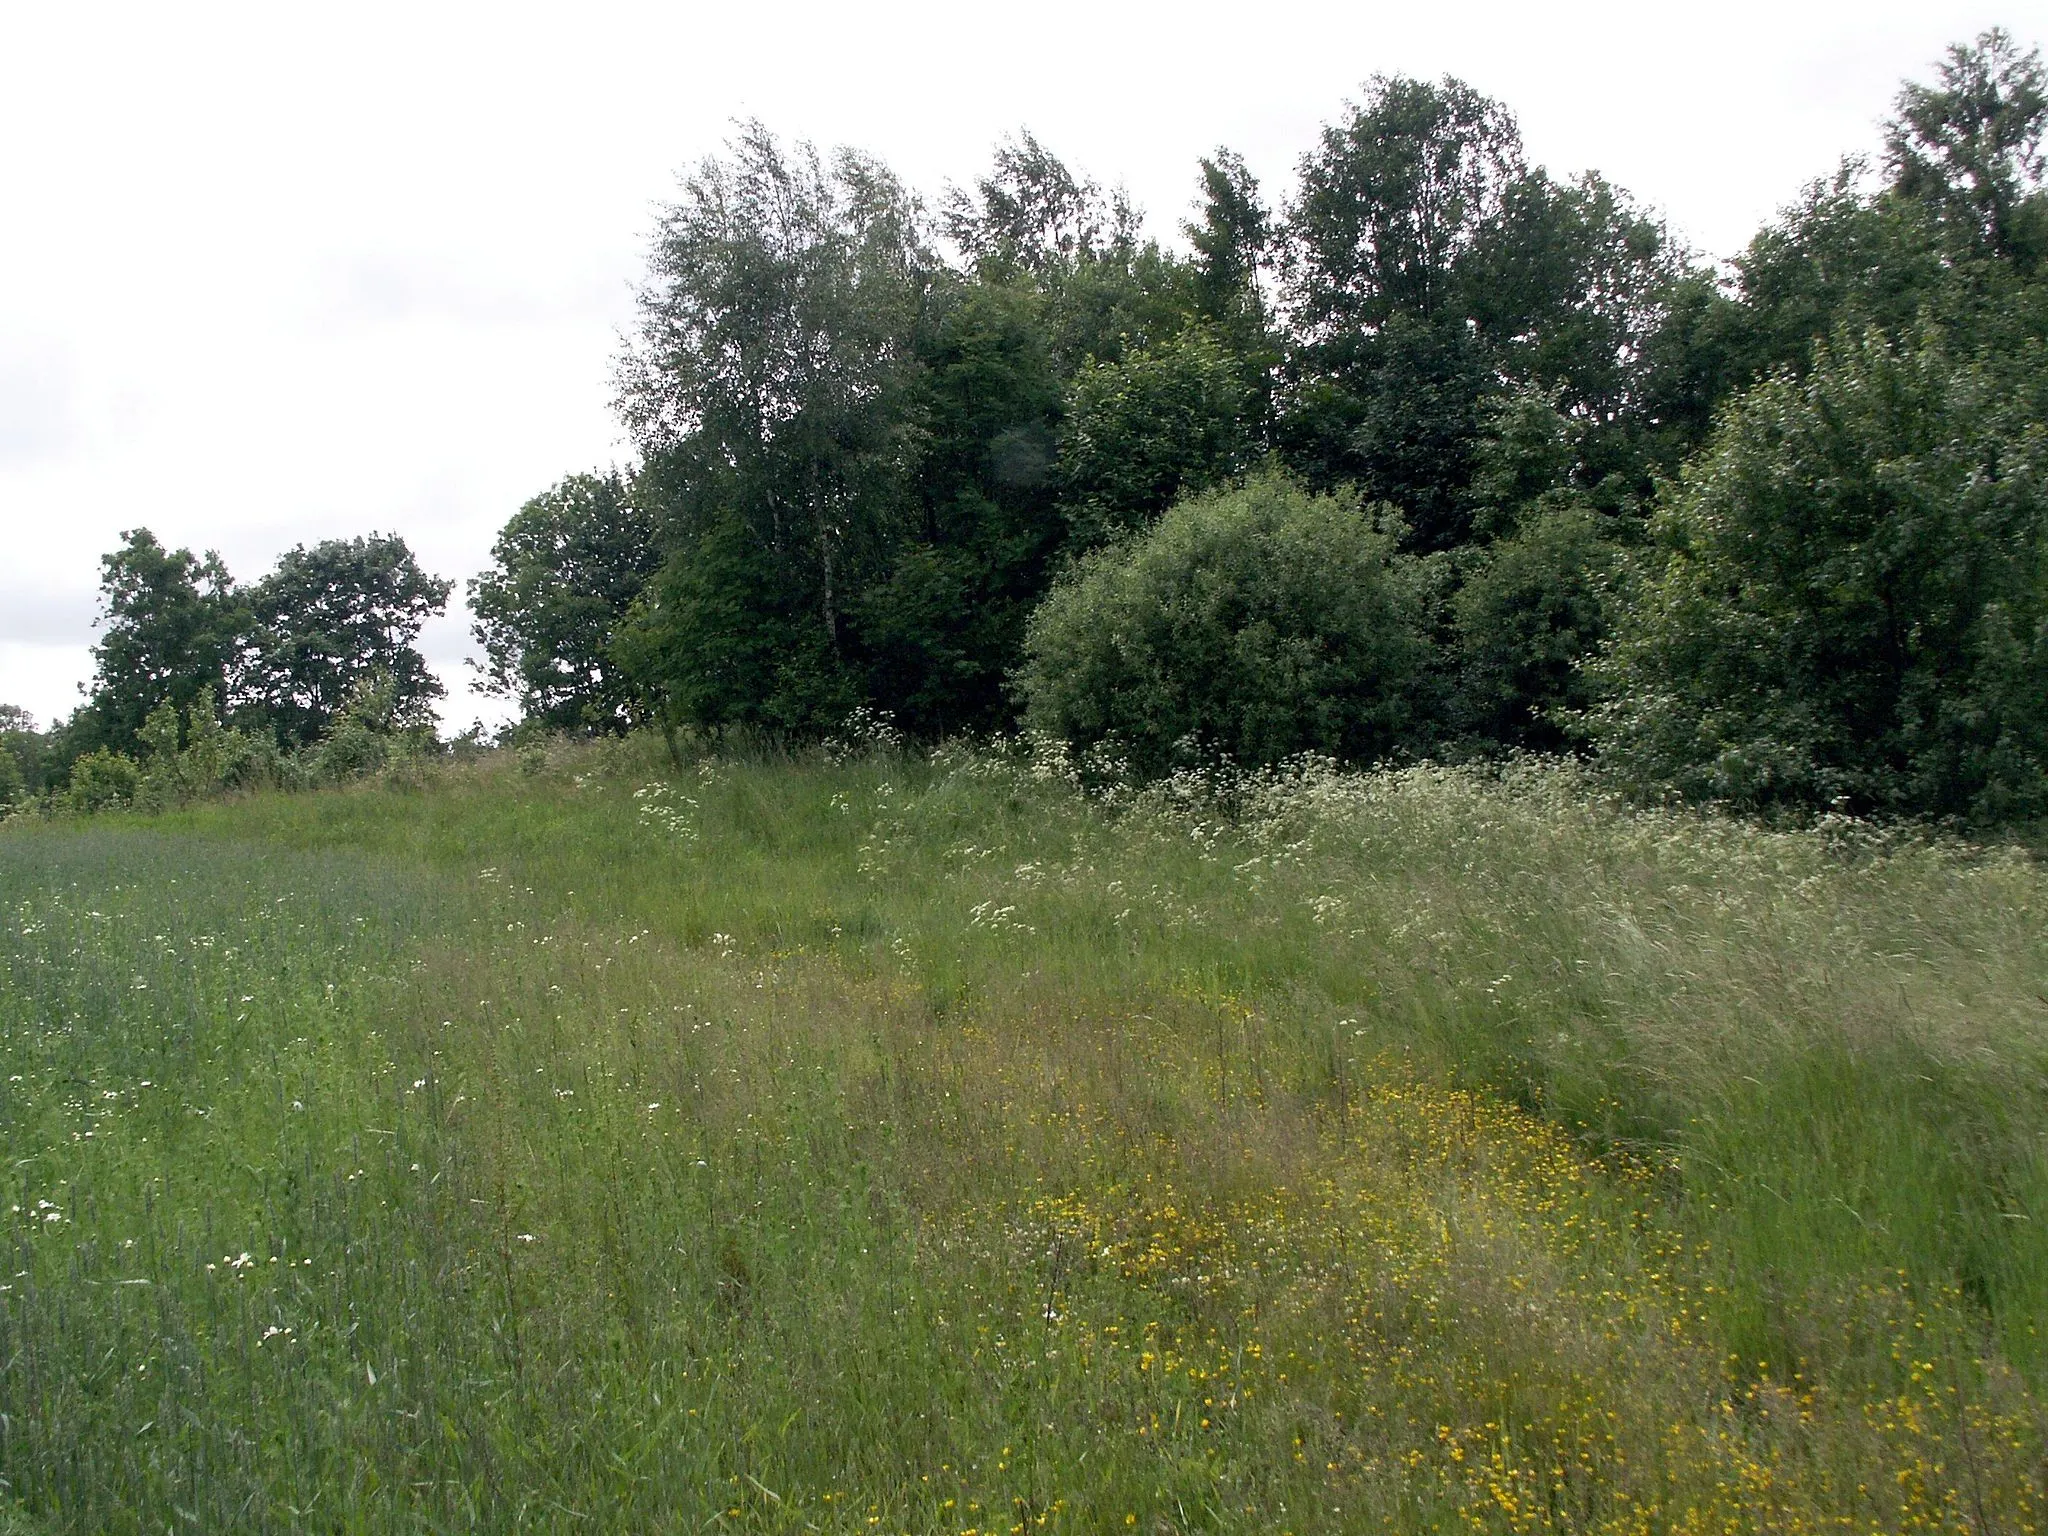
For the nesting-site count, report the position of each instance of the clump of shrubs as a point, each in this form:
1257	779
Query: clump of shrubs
189	755
1256	622
1848	604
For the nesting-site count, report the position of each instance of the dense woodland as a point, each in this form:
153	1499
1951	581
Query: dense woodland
1431	454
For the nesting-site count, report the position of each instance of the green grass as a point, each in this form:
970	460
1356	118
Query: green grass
913	1145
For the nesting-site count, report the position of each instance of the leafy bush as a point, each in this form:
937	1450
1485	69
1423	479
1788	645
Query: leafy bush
1258	622
199	757
373	733
1853	604
1531	610
1161	423
102	780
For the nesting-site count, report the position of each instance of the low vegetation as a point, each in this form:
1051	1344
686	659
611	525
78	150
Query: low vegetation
882	1140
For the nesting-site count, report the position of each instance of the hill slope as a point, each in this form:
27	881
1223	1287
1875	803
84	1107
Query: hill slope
903	1144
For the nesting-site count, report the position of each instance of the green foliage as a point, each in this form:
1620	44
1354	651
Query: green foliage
1430	267
1391	198
943	627
374	731
1168	421
1031	213
102	780
24	755
768	387
1969	149
1530	612
199	757
714	643
1233	245
1852	607
1256	623
328	618
13	782
565	570
1837	257
173	624
1564	281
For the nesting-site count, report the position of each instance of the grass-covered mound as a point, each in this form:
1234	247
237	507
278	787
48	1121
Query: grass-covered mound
890	1143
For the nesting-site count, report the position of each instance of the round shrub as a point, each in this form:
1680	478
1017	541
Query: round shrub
102	780
1257	622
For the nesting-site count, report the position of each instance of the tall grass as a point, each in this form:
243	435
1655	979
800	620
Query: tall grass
873	1141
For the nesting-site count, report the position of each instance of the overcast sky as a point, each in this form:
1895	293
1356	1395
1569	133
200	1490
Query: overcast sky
271	274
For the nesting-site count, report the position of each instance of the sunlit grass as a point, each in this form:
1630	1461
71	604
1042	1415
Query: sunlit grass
903	1144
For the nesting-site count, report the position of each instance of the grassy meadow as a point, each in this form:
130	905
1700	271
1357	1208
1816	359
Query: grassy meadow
873	1141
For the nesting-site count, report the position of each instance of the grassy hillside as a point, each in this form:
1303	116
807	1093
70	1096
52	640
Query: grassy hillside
903	1145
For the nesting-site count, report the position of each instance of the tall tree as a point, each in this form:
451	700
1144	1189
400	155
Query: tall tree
21	756
565	571
174	625
1232	242
1034	213
1969	147
1390	199
768	387
1566	284
332	620
943	628
1840	255
1387	378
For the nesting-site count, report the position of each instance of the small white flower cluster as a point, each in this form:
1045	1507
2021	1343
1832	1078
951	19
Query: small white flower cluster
865	732
997	919
668	810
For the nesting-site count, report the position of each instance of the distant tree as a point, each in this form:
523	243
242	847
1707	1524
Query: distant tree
1970	147
1390	200
22	750
1236	247
1839	256
329	619
1032	212
1103	290
769	388
13	778
565	571
1428	270
1257	622
173	624
1565	287
1850	608
1233	244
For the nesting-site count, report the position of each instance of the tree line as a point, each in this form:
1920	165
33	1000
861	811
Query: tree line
1433	453
200	683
